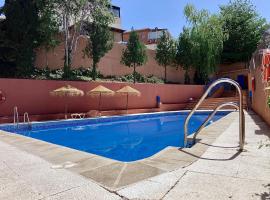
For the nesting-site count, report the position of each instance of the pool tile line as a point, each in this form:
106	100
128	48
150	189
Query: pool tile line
90	121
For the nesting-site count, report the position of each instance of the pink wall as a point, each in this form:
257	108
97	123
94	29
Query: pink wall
259	99
33	96
109	64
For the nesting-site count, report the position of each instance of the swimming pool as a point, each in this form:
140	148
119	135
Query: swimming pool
123	138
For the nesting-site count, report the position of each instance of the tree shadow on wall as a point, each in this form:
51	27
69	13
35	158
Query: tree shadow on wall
265	195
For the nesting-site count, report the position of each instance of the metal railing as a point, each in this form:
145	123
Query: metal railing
212	115
26	119
15	117
239	106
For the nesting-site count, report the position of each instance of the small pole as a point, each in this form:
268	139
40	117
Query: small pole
127	105
99	104
66	110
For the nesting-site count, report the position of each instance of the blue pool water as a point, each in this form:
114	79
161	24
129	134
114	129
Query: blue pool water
126	138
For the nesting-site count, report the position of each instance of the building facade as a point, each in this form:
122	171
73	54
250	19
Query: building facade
147	36
116	26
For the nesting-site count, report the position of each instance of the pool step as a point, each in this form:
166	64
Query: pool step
211	103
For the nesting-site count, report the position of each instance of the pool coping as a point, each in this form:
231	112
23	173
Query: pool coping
112	174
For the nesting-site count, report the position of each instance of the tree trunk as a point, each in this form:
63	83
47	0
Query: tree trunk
134	73
67	64
94	71
66	39
187	78
165	80
47	62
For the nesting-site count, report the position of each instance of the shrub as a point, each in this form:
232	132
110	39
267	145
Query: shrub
84	74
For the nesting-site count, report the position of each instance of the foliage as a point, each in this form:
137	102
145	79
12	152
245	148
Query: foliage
165	52
245	28
268	101
23	30
49	26
205	36
139	78
84	74
135	53
183	52
19	32
74	15
7	54
100	37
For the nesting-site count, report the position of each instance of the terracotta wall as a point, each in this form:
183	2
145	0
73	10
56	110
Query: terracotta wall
259	100
142	34
32	96
232	70
109	64
117	36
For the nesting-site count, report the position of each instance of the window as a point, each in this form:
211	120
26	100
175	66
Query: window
115	11
154	35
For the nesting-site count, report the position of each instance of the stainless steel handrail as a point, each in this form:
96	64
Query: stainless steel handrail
26	117
15	117
212	115
241	113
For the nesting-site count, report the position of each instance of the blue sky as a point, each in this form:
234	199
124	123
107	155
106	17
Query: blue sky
169	13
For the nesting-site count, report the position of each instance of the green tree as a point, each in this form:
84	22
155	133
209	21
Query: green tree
135	53
206	38
165	52
7	54
245	28
183	53
23	30
100	37
74	15
49	26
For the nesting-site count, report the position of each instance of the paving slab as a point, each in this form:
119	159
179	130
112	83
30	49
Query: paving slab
37	180
211	187
152	188
85	192
91	164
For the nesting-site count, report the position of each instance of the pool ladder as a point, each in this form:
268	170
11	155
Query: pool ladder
15	117
26	119
16	120
238	106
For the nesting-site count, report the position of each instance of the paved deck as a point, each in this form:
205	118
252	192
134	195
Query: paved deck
218	173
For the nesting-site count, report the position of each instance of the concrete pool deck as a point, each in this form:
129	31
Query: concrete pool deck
212	169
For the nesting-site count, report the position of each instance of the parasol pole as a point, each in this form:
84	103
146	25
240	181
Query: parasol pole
127	105
99	104
66	110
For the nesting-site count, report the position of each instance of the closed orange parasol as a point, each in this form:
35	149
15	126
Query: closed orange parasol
127	90
67	91
98	91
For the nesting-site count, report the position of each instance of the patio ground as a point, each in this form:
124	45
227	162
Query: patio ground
220	173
